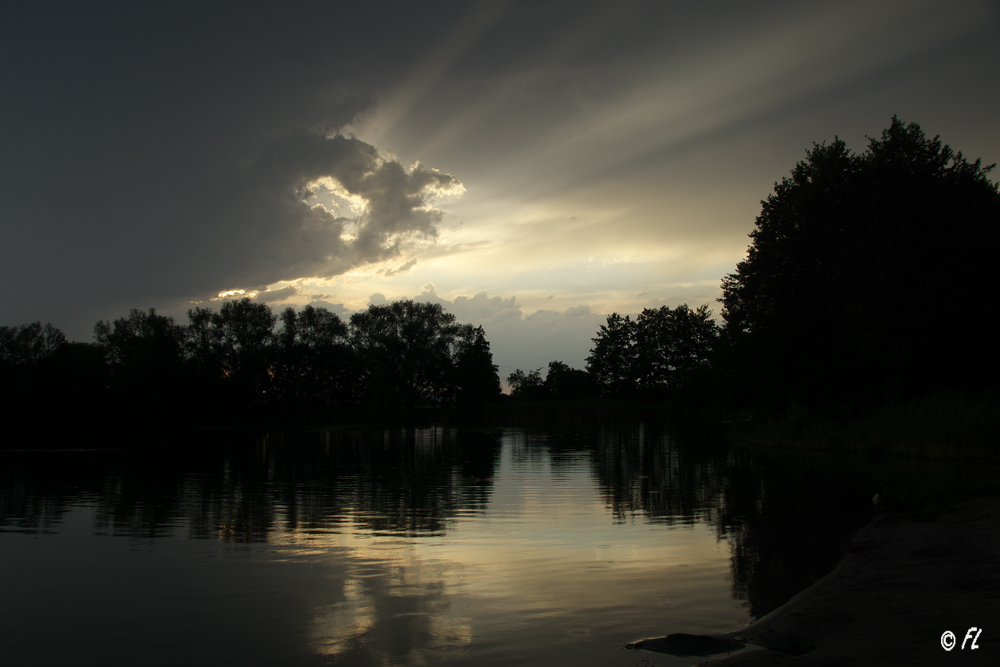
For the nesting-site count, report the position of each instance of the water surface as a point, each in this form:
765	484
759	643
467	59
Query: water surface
403	546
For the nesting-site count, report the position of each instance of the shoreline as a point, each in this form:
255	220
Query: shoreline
901	584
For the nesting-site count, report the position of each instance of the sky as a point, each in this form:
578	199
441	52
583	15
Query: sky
532	166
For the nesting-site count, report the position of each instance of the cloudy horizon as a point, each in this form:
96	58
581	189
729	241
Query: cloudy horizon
532	166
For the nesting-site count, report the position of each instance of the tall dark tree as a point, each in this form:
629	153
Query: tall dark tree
143	340
406	348
673	346
863	273
144	353
564	383
203	351
527	386
28	343
613	363
313	364
475	380
246	335
35	373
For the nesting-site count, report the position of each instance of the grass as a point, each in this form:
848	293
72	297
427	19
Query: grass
931	452
947	425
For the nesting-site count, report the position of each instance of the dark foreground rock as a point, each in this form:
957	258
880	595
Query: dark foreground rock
900	587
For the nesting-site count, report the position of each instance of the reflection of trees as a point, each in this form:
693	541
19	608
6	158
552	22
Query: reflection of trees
788	521
784	521
37	488
405	481
644	470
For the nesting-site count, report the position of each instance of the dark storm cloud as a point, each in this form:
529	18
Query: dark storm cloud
157	153
286	237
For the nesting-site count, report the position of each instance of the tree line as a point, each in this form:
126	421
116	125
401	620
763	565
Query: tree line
861	285
244	359
865	283
663	353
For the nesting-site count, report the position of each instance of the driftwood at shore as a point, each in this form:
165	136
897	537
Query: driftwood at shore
684	645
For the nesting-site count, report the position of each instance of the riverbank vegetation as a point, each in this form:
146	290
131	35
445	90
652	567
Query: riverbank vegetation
851	324
238	365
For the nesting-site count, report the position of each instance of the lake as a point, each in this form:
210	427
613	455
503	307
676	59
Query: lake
405	546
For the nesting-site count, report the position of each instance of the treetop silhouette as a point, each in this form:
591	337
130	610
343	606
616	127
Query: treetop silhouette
863	272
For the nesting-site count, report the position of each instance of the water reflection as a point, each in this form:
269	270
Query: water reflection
417	545
403	482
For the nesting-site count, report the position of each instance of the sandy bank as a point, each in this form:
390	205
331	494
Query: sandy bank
901	585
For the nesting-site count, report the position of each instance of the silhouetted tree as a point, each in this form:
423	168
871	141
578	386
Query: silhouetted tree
33	393
613	360
313	365
862	273
203	351
29	343
144	340
526	386
673	345
563	383
663	350
246	333
144	355
475	380
233	364
407	349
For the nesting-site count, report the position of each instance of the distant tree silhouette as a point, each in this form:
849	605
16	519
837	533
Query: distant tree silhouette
673	346
863	273
313	363
28	343
203	353
527	386
144	353
33	362
475	380
406	348
246	335
563	383
142	339
658	353
613	362
232	364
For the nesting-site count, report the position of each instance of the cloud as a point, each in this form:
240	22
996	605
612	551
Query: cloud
403	268
190	149
483	309
301	239
520	340
272	296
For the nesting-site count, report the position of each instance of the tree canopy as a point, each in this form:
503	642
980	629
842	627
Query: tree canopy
655	355
28	343
864	271
233	364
